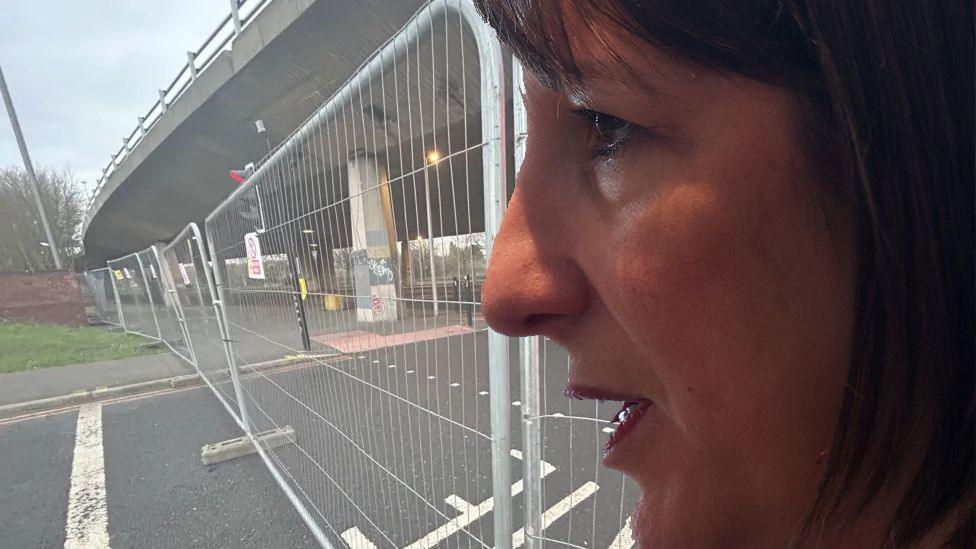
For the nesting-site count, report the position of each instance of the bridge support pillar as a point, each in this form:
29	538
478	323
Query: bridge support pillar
373	240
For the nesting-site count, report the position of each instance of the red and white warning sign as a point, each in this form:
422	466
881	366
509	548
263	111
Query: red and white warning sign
255	262
184	274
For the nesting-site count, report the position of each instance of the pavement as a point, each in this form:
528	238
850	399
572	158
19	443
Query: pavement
62	380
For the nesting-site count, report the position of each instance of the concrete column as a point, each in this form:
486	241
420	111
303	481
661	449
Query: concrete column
374	267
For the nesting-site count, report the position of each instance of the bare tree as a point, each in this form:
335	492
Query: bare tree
22	240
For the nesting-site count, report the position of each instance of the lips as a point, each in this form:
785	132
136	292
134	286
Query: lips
626	420
634	407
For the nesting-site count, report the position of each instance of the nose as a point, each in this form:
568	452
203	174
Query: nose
532	286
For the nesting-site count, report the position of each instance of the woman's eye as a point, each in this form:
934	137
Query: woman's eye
611	132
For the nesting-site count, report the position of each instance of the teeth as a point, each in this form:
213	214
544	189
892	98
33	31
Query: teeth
624	413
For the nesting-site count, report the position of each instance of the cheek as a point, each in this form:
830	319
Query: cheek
722	283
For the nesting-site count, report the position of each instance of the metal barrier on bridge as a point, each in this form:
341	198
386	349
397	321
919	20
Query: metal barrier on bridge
335	297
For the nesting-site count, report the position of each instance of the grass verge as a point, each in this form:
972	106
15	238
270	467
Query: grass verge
31	346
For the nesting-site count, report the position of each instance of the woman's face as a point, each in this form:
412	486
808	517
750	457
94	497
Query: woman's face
680	251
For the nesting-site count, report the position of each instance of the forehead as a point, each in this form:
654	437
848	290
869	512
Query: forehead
579	47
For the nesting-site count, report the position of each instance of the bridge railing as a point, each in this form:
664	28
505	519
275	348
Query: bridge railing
241	13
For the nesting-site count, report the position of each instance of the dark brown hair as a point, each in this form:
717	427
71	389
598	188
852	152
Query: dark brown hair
887	92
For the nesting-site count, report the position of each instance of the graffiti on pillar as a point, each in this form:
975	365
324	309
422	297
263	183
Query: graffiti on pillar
378	307
380	270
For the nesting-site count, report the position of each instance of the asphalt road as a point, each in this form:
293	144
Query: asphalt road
158	493
392	449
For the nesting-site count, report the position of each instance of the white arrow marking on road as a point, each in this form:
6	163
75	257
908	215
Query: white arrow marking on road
625	538
559	509
469	512
87	525
356	539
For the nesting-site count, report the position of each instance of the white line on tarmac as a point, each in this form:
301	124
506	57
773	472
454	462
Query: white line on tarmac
87	525
559	509
356	539
469	512
625	537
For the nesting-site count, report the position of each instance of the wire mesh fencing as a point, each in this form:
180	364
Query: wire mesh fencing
164	304
356	251
187	269
132	292
98	285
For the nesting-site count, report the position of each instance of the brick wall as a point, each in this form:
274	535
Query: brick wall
53	298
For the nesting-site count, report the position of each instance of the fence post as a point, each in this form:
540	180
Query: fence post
217	297
496	194
529	355
152	306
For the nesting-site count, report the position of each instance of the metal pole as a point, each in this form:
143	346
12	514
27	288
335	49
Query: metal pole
8	102
531	440
529	354
236	16
430	238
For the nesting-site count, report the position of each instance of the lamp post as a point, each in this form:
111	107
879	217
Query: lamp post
8	102
432	158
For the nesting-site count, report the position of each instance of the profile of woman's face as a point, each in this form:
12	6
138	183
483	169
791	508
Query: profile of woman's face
667	233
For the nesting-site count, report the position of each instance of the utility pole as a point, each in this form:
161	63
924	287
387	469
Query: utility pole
30	169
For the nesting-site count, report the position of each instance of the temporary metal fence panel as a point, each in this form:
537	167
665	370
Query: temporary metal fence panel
164	304
584	504
188	270
132	291
102	294
352	260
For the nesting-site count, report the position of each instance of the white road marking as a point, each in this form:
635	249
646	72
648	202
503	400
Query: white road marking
409	371
558	414
361	357
558	510
469	512
356	539
608	429
376	362
430	377
455	385
545	465
625	538
87	525
483	393
516	403
391	366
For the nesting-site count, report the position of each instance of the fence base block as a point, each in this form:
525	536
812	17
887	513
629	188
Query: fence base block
242	446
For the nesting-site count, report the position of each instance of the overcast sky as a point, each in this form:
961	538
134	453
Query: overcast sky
80	72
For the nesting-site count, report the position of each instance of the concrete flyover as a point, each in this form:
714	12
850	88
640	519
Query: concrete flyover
286	62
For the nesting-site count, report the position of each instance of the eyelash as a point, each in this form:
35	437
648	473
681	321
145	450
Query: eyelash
612	145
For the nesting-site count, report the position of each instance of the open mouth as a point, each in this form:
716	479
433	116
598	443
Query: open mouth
626	419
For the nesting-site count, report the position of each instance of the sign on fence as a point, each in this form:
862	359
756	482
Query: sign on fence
255	263
184	274
118	274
